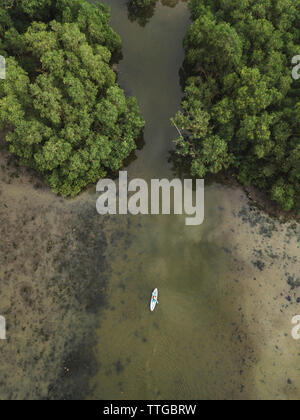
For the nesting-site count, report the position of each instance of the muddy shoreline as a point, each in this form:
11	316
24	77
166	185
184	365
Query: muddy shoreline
53	276
259	199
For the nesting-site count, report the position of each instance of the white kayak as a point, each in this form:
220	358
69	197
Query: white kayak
154	300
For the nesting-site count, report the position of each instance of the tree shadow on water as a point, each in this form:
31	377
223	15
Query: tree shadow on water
141	11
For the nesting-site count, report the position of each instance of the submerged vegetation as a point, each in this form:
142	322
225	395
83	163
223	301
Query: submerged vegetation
241	107
60	105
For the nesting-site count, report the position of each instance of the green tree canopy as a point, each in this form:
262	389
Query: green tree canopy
65	115
241	104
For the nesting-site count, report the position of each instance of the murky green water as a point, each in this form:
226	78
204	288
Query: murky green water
199	343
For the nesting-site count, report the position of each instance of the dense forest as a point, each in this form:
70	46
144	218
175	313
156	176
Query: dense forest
60	106
241	108
65	116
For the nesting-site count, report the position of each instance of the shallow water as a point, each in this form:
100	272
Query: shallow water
199	342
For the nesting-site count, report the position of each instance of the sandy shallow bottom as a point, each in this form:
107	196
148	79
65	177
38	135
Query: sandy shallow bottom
228	292
74	290
265	297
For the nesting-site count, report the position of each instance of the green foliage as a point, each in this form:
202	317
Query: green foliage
241	108
65	115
